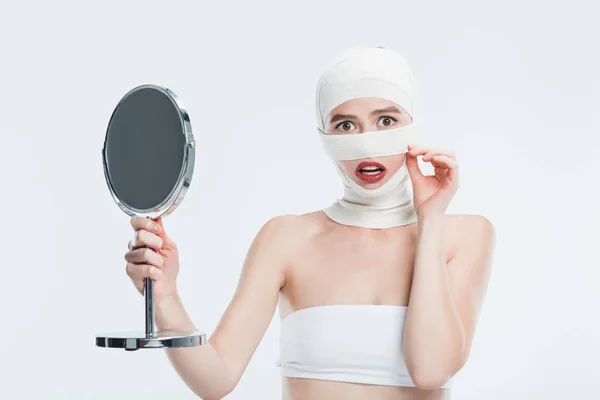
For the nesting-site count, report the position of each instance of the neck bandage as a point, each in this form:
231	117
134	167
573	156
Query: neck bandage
380	73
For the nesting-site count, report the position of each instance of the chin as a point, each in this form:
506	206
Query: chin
372	186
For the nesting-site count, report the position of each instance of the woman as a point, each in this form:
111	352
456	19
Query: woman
378	294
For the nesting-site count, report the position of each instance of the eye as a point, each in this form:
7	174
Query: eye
387	121
345	126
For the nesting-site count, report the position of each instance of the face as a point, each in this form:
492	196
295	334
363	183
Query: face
368	115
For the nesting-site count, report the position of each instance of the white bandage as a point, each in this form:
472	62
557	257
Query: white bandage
379	73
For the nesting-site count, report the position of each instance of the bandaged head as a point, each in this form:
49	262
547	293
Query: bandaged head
359	73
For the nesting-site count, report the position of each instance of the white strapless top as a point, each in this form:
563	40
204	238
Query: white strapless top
346	343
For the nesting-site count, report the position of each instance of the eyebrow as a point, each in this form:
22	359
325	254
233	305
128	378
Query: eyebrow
340	117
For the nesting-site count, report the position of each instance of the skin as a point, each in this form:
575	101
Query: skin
357	117
439	267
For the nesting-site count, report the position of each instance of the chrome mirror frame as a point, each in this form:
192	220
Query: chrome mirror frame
152	338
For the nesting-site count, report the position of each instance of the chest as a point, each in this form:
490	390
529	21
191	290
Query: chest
353	268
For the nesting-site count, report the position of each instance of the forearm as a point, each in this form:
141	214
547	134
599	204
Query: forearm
434	336
201	367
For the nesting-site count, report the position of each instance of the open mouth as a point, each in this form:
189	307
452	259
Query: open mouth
370	171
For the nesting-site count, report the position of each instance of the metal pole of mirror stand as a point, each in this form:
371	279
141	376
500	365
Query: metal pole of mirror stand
149	300
149	304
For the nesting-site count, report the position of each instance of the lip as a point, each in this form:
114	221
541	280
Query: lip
370	178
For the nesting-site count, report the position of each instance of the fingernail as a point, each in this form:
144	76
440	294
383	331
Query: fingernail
158	228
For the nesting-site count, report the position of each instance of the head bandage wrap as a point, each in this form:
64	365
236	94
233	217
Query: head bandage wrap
359	73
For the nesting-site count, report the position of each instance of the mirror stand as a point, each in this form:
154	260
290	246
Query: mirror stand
150	338
150	122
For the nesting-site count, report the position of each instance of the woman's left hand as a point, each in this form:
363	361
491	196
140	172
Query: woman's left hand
432	193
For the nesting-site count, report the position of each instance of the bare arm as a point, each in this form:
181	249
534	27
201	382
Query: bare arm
213	370
445	300
201	368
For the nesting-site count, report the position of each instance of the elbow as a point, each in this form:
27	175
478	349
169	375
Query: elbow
214	396
429	380
229	388
432	375
428	373
217	392
431	371
209	397
429	377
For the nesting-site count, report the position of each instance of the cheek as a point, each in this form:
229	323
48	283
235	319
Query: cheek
349	167
392	163
396	161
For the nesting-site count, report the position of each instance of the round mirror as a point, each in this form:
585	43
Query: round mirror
148	159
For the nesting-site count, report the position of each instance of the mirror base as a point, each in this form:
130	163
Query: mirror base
160	340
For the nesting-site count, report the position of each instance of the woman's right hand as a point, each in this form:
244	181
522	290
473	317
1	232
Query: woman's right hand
159	260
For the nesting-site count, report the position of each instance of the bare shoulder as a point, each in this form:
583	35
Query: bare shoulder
471	233
275	244
469	225
291	230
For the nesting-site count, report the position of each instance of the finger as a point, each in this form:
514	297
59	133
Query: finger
167	242
417	150
144	255
412	165
424	150
443	162
453	175
148	224
138	272
428	155
143	238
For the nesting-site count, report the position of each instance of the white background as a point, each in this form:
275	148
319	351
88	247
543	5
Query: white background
511	86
